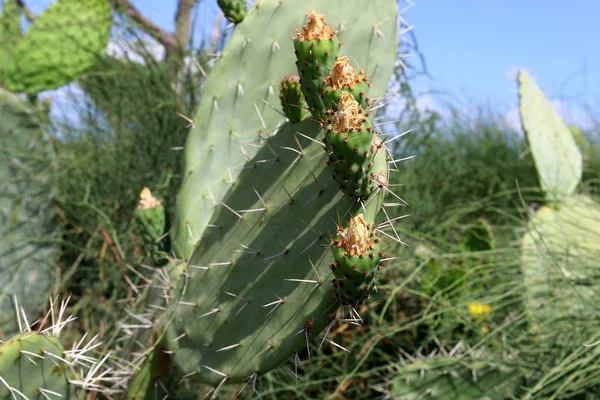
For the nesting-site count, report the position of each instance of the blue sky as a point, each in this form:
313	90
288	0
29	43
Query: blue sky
473	49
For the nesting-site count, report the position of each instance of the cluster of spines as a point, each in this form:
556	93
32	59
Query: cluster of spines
357	253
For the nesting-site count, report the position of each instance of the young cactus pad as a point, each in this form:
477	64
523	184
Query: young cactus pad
27	219
555	152
34	366
262	269
233	117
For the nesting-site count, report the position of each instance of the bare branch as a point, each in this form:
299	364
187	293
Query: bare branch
165	38
183	22
28	13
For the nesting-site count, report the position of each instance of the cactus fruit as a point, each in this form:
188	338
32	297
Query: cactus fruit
317	47
343	78
357	252
34	366
151	217
234	114
28	229
64	41
351	144
291	97
261	270
234	10
555	152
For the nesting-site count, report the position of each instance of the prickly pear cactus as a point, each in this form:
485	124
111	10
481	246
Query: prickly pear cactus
34	366
559	256
556	155
234	117
151	217
27	227
261	270
351	144
357	252
342	77
234	10
454	378
64	41
291	97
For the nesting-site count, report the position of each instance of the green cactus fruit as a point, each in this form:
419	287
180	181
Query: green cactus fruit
455	378
234	10
292	101
555	152
343	78
351	145
34	366
28	229
235	113
559	261
357	252
316	48
477	237
64	42
256	287
151	217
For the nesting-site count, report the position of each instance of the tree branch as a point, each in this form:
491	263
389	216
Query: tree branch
183	22
28	13
163	37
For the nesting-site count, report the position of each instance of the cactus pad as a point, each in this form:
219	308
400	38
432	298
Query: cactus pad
559	257
63	42
34	366
292	99
357	252
233	116
555	152
27	227
262	269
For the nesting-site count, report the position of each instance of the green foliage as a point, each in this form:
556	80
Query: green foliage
234	116
557	157
28	227
33	366
10	33
64	42
477	237
241	308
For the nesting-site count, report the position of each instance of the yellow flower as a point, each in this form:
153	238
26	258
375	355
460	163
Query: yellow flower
479	310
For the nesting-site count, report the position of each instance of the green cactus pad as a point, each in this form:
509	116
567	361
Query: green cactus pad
34	365
262	270
351	145
559	256
556	155
63	42
357	252
454	378
234	10
233	115
292	101
27	226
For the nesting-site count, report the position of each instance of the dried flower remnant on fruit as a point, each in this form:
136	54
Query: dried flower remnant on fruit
349	115
316	28
147	200
290	78
356	239
342	74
